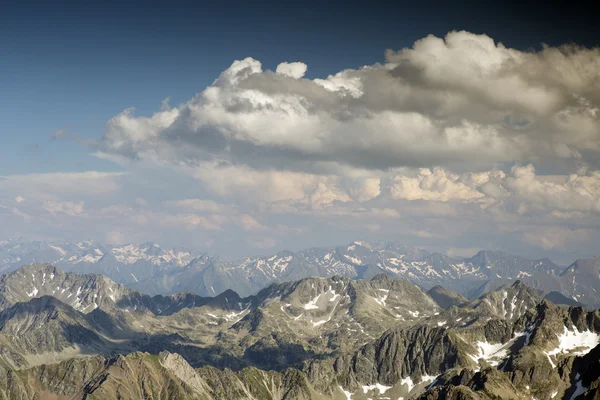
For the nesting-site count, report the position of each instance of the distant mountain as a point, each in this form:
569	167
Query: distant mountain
358	260
123	264
153	270
561	299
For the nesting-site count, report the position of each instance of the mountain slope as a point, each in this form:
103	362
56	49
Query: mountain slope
282	325
446	298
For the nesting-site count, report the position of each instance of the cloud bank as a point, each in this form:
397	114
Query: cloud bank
457	139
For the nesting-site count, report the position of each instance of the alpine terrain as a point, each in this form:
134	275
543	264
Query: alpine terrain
151	269
82	336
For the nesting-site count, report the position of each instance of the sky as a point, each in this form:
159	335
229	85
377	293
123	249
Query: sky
248	128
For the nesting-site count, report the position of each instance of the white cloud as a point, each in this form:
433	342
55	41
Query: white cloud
294	70
573	192
448	102
365	189
248	223
342	83
436	185
64	207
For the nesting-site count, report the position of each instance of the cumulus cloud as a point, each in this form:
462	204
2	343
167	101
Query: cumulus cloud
446	102
574	192
294	70
64	207
436	185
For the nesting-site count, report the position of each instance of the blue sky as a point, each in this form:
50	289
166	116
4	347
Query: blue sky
71	66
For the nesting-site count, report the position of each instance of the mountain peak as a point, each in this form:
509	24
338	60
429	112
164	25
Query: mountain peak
381	277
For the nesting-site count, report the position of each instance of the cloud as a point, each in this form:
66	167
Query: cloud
447	102
573	192
18	213
62	183
200	205
65	207
365	189
385	213
457	142
58	134
187	220
261	242
294	70
556	237
436	185
248	223
115	237
19	199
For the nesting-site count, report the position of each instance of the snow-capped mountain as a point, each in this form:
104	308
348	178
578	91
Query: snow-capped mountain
123	263
209	275
155	270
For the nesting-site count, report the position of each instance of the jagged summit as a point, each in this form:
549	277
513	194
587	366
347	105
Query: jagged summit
152	269
330	338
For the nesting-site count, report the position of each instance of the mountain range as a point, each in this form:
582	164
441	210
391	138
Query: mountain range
153	270
83	336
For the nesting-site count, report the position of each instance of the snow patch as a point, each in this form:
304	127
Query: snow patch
489	352
569	341
408	382
378	386
59	250
381	300
346	393
312	305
